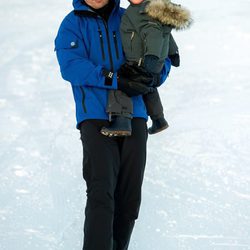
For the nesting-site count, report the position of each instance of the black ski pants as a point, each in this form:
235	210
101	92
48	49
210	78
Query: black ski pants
113	169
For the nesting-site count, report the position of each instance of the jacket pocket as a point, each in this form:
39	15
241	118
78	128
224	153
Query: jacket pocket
116	44
129	44
66	42
102	43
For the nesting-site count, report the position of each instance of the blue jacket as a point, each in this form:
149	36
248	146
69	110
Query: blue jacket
85	44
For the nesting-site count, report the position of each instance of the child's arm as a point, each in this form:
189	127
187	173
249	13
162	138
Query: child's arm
156	38
173	52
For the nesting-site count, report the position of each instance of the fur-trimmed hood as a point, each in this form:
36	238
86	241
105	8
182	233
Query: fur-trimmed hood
169	13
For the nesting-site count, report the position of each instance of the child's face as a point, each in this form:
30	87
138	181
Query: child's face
136	1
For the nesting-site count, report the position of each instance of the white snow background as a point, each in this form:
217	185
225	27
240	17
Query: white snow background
196	193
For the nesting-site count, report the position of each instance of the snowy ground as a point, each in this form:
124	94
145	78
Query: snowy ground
196	194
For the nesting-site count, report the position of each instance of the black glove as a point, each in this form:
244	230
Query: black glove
132	88
127	84
175	59
135	73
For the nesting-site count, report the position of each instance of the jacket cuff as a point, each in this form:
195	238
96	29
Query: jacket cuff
110	79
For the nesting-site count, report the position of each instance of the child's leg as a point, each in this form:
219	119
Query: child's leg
120	108
153	105
155	111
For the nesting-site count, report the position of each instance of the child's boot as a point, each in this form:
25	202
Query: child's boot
158	125
120	126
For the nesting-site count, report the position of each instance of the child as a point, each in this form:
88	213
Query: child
147	42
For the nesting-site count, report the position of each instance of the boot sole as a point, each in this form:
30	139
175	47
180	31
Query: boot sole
115	133
158	130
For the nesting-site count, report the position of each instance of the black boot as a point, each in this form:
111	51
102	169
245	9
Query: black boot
158	125
120	126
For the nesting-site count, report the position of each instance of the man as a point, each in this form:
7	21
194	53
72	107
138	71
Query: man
89	53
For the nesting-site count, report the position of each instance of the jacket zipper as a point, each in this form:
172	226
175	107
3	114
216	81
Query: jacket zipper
131	39
83	100
109	47
116	45
102	44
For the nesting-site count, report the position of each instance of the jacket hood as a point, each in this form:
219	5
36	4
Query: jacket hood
78	5
169	13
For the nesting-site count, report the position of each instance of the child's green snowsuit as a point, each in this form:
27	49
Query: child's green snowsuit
146	30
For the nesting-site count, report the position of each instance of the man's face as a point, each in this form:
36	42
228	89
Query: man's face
136	1
96	4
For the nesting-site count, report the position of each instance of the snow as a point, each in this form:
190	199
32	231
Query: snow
196	192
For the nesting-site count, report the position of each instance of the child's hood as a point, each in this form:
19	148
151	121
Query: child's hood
169	13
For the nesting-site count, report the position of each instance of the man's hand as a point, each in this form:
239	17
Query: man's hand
132	88
131	80
135	73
